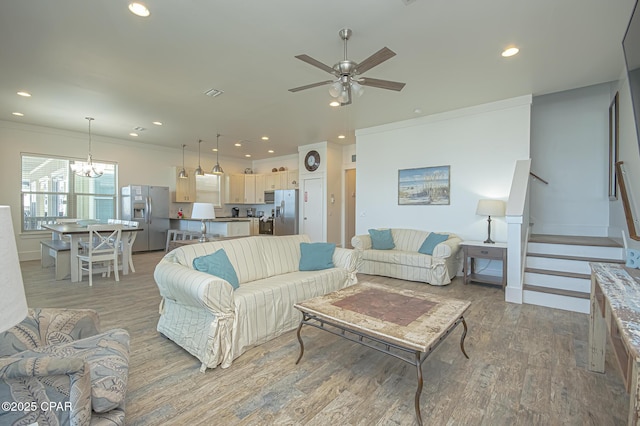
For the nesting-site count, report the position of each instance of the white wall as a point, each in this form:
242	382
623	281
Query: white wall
137	164
481	144
569	149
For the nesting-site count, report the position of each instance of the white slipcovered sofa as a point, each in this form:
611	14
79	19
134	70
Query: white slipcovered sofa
404	261
215	323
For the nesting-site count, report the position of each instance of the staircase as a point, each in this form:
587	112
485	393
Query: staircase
557	272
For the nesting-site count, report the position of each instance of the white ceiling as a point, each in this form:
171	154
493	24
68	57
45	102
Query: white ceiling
83	58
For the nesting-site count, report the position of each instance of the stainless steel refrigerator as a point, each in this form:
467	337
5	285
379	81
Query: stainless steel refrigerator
149	206
285	221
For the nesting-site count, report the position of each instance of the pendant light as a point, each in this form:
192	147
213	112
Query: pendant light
183	173
88	169
217	170
199	171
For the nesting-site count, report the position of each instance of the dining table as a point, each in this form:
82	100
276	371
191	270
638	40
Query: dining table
76	232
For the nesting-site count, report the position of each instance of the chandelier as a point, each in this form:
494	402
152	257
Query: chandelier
88	168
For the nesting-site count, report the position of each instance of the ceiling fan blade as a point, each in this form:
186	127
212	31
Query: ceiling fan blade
376	59
381	84
309	86
308	59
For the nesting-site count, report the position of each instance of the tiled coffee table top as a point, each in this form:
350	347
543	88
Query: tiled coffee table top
409	318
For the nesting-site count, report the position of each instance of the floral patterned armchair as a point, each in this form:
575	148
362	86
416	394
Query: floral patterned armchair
56	368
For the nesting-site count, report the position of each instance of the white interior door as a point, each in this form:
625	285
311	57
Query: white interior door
312	211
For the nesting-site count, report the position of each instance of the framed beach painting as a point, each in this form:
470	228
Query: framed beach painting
424	186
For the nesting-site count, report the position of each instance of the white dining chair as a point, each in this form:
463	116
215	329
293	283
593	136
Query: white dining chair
103	247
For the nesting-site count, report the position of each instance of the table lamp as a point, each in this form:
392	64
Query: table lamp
203	211
13	303
490	208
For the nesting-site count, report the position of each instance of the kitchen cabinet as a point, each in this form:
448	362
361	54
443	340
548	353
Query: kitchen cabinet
235	193
292	179
271	181
185	188
255	226
287	179
260	188
249	189
246	189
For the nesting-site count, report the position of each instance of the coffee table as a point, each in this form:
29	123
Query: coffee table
405	324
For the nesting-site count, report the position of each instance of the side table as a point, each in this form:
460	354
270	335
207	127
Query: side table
473	250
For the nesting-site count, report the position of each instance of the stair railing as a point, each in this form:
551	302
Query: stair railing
535	176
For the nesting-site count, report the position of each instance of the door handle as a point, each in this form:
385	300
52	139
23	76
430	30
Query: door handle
149	203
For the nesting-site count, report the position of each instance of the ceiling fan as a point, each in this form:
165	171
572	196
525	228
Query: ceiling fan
347	73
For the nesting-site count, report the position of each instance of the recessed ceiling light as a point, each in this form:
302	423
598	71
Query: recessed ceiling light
510	52
25	94
133	134
271	151
265	138
139	9
341	136
334	103
19	114
237	144
215	150
157	123
417	111
247	155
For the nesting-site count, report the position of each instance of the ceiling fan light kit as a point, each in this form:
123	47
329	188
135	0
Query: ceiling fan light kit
348	83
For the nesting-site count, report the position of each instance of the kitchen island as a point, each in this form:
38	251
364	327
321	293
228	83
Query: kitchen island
222	226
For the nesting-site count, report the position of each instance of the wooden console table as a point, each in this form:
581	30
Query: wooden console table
473	250
615	311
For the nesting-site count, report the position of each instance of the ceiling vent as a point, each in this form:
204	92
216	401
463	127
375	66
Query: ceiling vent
139	129
213	93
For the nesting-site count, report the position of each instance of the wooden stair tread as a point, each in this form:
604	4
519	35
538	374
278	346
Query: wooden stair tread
558	273
556	291
574	240
579	258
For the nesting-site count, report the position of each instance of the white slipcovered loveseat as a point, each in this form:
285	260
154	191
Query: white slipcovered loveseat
405	262
215	323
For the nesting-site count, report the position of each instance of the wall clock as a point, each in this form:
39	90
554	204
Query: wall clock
312	160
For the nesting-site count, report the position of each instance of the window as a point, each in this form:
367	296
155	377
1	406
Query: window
50	191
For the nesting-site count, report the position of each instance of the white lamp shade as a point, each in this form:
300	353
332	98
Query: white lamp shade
13	303
203	211
493	208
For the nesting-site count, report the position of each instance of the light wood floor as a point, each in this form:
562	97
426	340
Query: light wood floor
527	366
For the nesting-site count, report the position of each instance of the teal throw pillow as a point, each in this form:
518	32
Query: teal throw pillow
316	256
431	242
633	259
381	239
217	264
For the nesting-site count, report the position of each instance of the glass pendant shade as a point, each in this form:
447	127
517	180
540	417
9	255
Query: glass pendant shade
335	89
344	96
88	168
217	169
357	88
183	173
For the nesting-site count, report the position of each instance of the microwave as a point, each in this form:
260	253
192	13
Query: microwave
269	197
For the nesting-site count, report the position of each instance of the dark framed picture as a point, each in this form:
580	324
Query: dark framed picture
424	186
613	147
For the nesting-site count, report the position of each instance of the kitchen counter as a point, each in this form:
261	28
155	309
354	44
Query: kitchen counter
220	226
219	219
